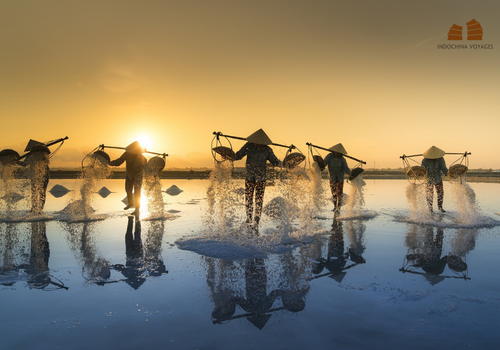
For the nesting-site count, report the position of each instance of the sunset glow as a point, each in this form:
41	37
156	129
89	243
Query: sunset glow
145	141
382	88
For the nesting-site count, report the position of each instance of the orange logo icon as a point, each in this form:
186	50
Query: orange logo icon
474	31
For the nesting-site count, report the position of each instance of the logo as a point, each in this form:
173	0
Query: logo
474	31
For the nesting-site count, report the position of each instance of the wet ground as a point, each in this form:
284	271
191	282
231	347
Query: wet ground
379	278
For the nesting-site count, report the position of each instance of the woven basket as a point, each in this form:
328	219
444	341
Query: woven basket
456	264
8	155
416	172
293	159
457	170
225	152
320	161
155	166
102	156
355	173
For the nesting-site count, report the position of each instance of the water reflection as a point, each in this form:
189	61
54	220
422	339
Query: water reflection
338	259
255	289
31	267
425	253
82	241
142	261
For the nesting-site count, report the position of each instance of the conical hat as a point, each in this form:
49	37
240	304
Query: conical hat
31	144
434	153
135	147
338	148
259	137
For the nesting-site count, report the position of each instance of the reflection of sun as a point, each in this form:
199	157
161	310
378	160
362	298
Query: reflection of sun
145	141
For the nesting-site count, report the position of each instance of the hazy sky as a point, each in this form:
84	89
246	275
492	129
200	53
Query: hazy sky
365	73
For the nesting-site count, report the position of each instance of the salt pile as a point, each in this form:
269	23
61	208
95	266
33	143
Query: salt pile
173	190
104	192
58	191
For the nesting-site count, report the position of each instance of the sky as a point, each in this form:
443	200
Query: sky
368	74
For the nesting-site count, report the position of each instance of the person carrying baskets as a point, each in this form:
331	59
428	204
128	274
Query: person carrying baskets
337	167
258	152
434	164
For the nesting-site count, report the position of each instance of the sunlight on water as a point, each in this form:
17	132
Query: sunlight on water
153	196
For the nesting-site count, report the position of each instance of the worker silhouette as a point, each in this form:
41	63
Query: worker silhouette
135	163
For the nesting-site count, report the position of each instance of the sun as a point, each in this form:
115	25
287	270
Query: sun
144	140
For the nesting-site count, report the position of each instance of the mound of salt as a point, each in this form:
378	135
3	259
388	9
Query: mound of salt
173	190
12	197
78	208
58	191
104	192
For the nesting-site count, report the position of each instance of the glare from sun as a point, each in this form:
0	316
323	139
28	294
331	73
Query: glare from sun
145	141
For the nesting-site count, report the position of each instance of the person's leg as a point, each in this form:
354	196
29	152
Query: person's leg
129	186
440	196
334	194
137	194
429	194
43	192
260	188
339	191
249	191
34	196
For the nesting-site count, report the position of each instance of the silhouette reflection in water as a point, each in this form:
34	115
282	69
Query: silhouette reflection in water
229	294
36	270
425	252
338	259
82	241
142	262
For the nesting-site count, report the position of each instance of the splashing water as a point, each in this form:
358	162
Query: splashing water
317	190
314	199
156	204
223	201
291	188
356	199
464	199
91	176
37	171
10	189
415	193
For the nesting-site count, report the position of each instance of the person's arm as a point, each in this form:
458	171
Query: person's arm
271	157
327	159
119	161
242	152
444	169
345	167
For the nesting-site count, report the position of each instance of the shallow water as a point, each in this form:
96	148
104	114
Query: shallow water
177	282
